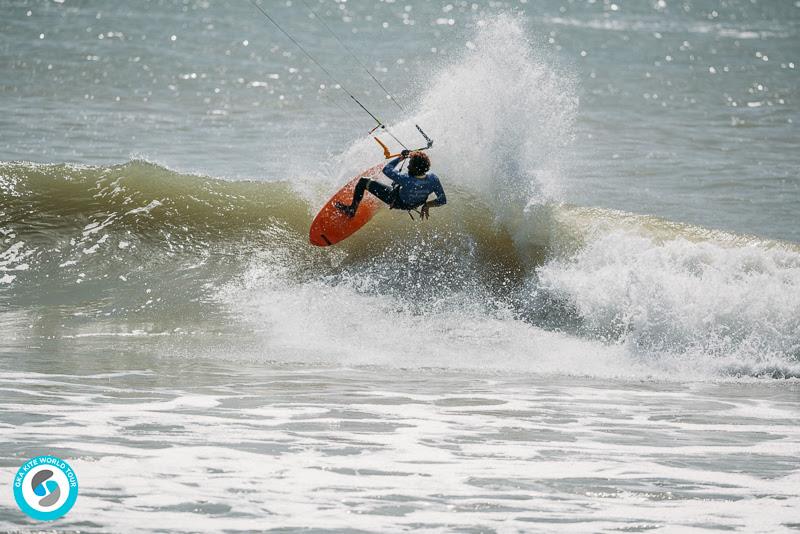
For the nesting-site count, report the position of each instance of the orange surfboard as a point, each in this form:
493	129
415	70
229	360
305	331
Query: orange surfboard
331	225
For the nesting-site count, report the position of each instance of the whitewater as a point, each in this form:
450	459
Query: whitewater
600	331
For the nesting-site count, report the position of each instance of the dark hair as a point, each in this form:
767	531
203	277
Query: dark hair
419	163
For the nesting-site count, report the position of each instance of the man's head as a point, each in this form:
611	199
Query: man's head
418	163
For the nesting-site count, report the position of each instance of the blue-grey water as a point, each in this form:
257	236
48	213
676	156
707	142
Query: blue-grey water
599	332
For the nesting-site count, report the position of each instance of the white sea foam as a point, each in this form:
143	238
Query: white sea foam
332	448
722	306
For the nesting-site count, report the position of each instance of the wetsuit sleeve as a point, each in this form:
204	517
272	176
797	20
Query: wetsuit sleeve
390	171
438	190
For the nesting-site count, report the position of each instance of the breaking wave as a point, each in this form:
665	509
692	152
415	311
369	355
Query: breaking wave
138	245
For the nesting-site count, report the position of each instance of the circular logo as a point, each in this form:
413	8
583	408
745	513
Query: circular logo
45	488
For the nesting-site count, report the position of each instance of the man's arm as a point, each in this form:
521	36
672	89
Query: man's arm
390	171
440	199
438	190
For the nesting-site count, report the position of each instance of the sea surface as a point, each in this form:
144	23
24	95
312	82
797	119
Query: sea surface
599	332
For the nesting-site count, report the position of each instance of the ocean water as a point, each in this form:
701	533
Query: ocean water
599	332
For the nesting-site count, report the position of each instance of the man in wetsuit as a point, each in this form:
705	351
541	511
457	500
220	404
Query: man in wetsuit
410	191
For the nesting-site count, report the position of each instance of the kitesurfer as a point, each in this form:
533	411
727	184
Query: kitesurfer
409	191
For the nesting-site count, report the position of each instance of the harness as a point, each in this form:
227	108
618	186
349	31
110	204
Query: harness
394	206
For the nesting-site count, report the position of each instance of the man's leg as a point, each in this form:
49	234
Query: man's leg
383	192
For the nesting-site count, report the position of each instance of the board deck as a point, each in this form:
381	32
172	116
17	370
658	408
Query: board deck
331	225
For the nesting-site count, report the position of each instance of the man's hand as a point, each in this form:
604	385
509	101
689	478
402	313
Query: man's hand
405	153
423	212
